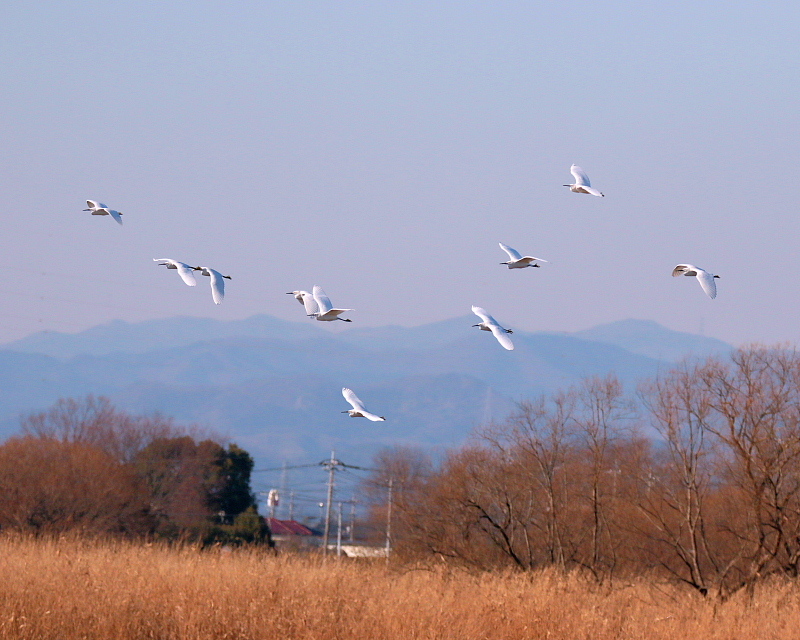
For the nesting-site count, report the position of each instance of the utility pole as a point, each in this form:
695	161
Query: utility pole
331	465
283	488
291	505
352	520
389	521
339	533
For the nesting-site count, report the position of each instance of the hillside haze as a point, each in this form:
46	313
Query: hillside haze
275	386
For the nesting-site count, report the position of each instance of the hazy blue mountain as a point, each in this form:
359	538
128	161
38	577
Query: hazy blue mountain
650	339
275	386
140	337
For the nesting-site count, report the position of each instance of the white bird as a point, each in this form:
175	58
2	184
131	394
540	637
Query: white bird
582	184
184	270
324	311
516	261
298	295
307	300
217	282
490	324
705	278
99	209
358	410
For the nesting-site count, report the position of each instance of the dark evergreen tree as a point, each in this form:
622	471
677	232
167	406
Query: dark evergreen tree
230	491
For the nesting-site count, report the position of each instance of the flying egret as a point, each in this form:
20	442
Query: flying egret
184	270
325	311
298	295
516	261
705	278
582	184
307	300
358	410
99	209
217	282
490	324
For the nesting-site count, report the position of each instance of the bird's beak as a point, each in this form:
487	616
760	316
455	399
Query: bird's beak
716	276
476	325
290	293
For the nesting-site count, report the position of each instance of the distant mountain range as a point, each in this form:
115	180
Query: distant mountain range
275	386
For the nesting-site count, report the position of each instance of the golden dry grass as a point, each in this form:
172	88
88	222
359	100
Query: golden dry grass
70	589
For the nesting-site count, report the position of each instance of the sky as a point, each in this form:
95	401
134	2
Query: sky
382	150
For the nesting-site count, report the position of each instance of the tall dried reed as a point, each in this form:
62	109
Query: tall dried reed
69	589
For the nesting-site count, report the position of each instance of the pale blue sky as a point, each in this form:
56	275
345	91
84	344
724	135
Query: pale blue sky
382	150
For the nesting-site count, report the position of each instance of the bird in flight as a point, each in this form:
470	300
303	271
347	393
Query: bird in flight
705	278
490	324
322	308
184	270
217	282
516	261
99	209
582	184
358	410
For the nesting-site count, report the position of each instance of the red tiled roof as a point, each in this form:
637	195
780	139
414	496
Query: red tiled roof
288	528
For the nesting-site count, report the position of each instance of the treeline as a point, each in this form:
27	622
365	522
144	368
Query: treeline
87	467
698	480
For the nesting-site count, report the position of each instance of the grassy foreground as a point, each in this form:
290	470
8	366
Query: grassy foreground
70	589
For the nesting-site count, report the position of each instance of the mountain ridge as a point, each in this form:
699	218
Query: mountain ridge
276	385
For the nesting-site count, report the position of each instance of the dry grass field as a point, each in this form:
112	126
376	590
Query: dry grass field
70	589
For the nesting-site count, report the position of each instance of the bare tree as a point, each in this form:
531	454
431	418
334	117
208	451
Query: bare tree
47	486
713	500
757	404
97	468
406	470
677	483
541	436
95	421
602	425
725	498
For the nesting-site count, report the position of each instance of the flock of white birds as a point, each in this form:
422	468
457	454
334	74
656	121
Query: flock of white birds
318	305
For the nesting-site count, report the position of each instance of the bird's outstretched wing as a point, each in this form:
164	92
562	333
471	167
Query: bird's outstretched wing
185	272
337	312
217	286
580	176
502	337
352	398
483	315
322	300
707	282
309	303
372	416
513	254
529	259
115	214
684	270
592	191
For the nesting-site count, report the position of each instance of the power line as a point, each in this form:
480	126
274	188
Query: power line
296	466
